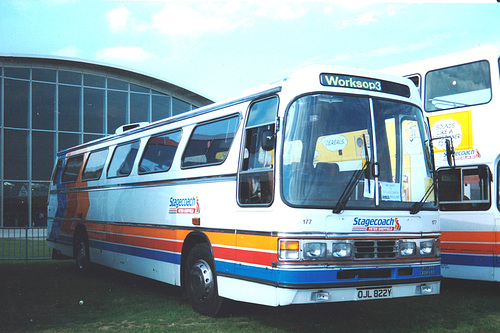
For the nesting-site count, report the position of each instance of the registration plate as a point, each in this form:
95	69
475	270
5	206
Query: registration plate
370	293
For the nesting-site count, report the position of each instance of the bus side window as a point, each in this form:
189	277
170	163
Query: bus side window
57	171
210	142
123	160
94	165
159	152
73	166
256	178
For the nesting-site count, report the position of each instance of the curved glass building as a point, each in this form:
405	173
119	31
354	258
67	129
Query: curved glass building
49	104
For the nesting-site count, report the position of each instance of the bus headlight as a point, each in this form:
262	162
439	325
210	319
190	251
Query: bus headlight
426	248
407	249
341	250
314	251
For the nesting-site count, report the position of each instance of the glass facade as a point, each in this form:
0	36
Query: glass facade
45	109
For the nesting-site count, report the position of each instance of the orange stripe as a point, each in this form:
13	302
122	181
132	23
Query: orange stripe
469	236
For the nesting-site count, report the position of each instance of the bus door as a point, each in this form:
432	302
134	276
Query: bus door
256	188
468	238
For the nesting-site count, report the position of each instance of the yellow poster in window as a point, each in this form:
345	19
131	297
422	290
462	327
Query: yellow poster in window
457	126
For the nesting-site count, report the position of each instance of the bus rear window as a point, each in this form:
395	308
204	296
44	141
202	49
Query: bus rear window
458	86
159	153
95	164
123	160
210	142
72	169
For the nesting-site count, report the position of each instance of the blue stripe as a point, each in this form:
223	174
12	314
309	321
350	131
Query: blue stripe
319	276
174	258
469	260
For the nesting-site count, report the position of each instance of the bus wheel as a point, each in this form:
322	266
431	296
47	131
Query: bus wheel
200	281
82	253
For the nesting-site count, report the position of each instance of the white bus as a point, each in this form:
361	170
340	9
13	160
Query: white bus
461	97
318	188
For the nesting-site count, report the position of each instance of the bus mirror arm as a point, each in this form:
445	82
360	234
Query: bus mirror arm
450	152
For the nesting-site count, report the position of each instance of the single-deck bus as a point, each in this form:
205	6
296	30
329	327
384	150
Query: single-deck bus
461	97
318	188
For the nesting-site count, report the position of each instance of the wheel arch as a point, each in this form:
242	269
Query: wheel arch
192	239
79	234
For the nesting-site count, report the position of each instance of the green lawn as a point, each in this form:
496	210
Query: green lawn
11	248
45	295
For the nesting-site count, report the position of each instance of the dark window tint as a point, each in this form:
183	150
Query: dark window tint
159	153
94	81
95	164
42	155
123	160
67	140
117	110
93	110
210	142
43	105
70	77
139	108
15	154
48	75
57	171
179	106
16	103
69	108
117	84
17	72
72	169
160	107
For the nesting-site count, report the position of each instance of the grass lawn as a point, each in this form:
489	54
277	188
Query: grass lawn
45	296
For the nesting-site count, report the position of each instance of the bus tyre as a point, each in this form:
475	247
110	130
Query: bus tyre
82	253
201	282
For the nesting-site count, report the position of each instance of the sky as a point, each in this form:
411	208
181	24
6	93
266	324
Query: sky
219	49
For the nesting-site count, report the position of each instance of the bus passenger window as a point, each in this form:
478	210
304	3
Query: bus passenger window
256	179
95	164
72	169
159	153
458	86
210	142
57	171
123	160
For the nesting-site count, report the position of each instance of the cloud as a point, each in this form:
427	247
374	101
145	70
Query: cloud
118	18
180	19
195	18
127	53
70	51
279	10
368	17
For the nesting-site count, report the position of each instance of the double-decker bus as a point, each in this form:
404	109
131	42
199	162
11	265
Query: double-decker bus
461	97
317	188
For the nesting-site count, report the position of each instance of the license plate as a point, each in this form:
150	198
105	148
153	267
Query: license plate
370	293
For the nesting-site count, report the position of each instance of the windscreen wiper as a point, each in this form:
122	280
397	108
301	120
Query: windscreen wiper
351	185
417	206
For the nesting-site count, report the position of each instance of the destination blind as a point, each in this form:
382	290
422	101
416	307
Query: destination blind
355	82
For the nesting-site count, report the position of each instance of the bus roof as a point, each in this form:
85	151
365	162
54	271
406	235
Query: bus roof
421	66
300	81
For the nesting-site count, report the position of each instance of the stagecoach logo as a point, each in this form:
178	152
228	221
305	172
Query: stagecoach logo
376	224
184	206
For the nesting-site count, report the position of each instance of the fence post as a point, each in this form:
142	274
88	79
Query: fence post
26	245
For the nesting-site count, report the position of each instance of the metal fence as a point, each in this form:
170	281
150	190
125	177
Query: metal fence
27	243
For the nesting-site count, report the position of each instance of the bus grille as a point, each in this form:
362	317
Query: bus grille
375	249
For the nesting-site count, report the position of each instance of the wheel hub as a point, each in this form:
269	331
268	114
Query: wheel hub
202	282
